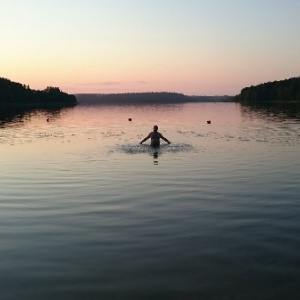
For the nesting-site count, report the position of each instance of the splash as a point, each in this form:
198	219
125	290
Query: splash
140	149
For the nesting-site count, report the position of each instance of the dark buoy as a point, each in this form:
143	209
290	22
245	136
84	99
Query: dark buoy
208	122
129	119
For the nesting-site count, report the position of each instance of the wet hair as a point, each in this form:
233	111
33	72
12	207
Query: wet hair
155	127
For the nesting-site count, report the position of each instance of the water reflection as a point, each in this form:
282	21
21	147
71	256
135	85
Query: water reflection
279	112
108	125
72	214
274	124
18	115
155	158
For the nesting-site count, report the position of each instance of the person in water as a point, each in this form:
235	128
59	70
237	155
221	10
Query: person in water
155	136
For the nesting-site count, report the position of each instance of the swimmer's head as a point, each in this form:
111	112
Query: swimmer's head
155	127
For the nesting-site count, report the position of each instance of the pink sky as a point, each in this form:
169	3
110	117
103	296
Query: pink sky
195	47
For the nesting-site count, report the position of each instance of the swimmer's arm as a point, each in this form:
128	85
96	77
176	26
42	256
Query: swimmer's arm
166	140
145	139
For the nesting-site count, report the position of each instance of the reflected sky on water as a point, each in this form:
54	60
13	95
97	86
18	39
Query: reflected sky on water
87	212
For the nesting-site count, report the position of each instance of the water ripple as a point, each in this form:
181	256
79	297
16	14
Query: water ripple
138	149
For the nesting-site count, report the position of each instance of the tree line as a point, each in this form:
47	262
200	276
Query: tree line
154	97
17	94
283	91
147	98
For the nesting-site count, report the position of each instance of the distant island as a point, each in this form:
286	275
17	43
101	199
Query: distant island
144	98
277	92
19	95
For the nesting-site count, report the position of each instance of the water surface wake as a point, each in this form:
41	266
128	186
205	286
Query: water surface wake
139	149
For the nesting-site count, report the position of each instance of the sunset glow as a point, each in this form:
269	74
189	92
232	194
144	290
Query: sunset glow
192	47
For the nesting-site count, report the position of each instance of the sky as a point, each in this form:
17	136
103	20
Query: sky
195	47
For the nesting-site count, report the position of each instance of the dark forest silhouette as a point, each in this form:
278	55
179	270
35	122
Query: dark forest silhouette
277	92
284	92
151	98
17	94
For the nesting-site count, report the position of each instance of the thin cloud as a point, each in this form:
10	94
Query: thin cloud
110	83
113	83
101	83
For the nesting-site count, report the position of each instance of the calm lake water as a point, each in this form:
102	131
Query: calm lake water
88	213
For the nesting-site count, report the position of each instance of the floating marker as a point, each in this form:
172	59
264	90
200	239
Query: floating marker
129	119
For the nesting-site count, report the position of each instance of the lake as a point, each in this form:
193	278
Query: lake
86	212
